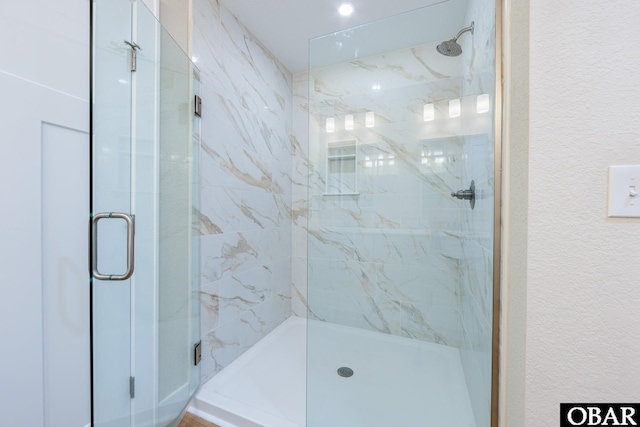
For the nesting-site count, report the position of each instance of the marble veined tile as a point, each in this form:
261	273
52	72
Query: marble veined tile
389	258
219	348
243	169
227	210
430	323
242	291
209	307
227	254
434	283
281	278
259	321
246	185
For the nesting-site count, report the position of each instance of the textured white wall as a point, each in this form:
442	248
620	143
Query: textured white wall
514	213
583	300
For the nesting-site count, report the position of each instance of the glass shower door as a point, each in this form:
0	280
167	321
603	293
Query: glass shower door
111	176
145	310
400	262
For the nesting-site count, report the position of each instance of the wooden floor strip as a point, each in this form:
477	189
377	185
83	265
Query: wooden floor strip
190	420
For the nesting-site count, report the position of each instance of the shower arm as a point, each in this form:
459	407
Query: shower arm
464	30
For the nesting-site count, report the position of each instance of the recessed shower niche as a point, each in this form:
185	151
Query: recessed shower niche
342	161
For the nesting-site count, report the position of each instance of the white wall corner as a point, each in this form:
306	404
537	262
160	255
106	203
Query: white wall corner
514	212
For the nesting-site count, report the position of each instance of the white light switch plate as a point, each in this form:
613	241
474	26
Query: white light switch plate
624	191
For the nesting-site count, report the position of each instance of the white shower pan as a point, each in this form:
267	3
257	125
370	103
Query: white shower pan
396	382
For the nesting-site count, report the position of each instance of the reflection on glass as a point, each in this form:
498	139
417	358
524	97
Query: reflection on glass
428	112
454	108
370	119
330	125
348	122
482	104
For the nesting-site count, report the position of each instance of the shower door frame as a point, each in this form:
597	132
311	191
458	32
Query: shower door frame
497	216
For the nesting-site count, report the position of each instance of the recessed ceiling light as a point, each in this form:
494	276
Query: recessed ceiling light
345	9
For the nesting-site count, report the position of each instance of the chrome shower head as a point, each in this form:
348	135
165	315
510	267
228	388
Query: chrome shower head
451	47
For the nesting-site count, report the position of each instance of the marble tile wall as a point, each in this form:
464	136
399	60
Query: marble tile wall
477	225
389	258
299	192
245	227
401	256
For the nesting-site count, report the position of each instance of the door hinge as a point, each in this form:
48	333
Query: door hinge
197	353
133	55
198	106
132	387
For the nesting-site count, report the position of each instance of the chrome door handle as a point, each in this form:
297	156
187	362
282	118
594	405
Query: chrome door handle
130	220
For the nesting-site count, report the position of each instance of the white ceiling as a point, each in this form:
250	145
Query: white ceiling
286	26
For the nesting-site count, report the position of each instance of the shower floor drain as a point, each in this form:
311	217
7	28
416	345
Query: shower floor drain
345	372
